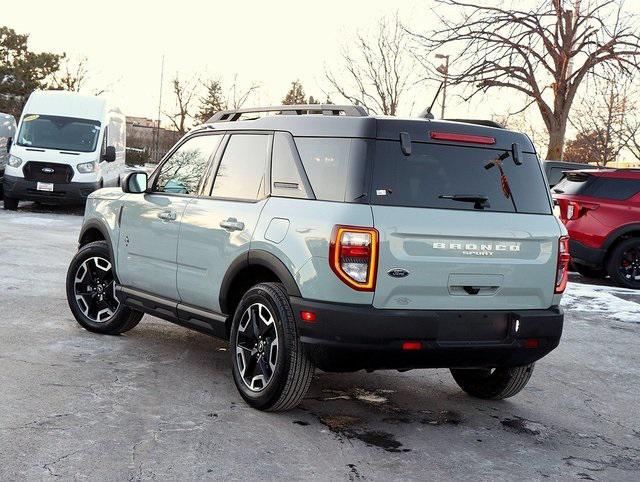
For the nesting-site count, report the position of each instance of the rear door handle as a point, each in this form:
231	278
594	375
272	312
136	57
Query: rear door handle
167	215
232	224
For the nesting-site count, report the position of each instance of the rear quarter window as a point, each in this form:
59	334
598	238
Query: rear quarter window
336	167
436	170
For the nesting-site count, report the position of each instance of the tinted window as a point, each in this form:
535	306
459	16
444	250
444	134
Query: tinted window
182	172
287	178
433	174
596	186
55	132
241	171
335	166
617	189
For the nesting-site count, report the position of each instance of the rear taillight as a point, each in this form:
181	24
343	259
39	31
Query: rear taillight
353	256
573	210
562	272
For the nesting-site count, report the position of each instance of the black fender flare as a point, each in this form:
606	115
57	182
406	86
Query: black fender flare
256	257
104	231
621	231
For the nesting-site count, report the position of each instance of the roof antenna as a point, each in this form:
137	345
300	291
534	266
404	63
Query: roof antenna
426	114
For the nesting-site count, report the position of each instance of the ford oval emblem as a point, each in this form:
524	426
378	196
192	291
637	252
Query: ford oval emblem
48	170
398	272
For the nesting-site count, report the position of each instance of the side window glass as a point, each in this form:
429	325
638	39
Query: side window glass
241	171
287	178
181	173
326	162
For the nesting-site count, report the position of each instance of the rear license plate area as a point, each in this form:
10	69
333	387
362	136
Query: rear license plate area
465	327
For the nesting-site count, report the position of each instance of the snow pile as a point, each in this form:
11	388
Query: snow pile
612	302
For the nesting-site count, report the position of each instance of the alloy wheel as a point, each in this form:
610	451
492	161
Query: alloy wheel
256	347
94	289
629	266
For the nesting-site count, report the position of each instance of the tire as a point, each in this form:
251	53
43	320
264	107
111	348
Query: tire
627	252
92	282
287	373
589	272
493	385
10	203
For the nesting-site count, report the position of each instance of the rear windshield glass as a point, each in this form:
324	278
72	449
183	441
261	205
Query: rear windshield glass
600	187
456	177
57	132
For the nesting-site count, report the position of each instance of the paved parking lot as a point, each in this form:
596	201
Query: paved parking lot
159	402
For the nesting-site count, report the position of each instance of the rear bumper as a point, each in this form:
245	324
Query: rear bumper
586	255
354	337
66	193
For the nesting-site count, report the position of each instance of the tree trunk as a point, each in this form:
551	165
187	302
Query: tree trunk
555	147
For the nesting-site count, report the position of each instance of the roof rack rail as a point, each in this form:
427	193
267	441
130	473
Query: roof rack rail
297	109
480	122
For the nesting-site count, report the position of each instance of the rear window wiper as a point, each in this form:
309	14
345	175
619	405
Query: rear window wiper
480	201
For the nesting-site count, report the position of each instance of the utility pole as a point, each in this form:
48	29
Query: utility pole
157	149
444	70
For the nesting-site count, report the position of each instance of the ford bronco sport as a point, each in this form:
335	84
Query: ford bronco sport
320	236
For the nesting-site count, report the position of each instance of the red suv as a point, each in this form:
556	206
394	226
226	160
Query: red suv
601	210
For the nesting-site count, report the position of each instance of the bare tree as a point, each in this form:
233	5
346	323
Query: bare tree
377	70
72	74
214	99
601	122
184	92
544	53
239	95
524	122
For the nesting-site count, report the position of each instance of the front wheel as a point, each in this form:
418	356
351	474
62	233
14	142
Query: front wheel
493	384
91	292
270	367
10	203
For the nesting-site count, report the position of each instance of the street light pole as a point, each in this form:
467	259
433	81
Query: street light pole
444	70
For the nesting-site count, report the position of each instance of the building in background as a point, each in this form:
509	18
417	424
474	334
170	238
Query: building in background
147	142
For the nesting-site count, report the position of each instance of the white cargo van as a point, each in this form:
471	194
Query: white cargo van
7	132
67	145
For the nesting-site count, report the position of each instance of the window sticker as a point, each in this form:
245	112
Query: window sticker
30	118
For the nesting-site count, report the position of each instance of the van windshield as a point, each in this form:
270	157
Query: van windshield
457	177
57	132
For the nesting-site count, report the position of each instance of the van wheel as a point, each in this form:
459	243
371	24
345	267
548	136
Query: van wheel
270	367
624	264
10	203
493	384
91	292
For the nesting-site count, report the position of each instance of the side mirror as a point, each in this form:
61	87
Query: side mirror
135	182
109	154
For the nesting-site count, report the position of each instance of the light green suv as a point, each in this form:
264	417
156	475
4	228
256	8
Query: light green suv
320	236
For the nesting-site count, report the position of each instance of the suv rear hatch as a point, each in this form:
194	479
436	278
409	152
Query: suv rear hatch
460	229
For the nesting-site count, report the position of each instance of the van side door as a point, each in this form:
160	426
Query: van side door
217	227
150	222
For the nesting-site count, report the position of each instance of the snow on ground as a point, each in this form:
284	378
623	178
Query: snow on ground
619	304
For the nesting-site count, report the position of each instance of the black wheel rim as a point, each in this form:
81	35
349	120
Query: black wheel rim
256	347
94	289
629	266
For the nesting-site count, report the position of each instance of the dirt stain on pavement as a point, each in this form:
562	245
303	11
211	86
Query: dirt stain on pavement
344	426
